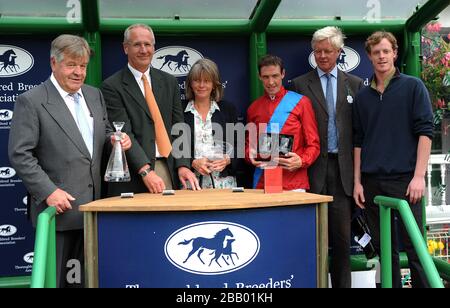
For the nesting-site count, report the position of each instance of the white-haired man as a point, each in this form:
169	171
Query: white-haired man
331	92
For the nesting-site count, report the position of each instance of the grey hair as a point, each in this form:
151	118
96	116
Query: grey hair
207	69
67	44
333	34
126	34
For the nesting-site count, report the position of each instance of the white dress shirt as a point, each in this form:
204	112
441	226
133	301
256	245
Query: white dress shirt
70	103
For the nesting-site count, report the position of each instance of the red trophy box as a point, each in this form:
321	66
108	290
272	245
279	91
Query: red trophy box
273	180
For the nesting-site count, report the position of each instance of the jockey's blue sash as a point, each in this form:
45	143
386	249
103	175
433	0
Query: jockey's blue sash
278	119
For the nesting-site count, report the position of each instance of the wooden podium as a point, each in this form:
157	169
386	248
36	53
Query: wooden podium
208	238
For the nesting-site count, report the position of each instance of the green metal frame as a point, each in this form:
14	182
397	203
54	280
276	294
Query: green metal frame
308	27
44	262
411	63
256	28
15	282
386	204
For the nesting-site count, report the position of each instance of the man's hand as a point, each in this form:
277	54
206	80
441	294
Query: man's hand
416	189
290	162
154	183
125	141
185	174
201	165
256	163
60	200
358	195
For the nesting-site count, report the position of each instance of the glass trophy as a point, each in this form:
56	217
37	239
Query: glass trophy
117	169
216	151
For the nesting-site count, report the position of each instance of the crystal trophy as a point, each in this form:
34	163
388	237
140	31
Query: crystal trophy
117	169
216	151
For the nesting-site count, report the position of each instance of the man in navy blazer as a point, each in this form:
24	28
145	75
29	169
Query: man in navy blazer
125	100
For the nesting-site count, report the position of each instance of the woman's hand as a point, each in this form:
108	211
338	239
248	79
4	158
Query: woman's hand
219	165
202	165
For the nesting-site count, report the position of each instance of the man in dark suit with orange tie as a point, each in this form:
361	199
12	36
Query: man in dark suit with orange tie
331	92
148	101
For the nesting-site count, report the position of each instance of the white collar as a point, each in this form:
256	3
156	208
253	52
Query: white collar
60	90
334	72
137	74
191	108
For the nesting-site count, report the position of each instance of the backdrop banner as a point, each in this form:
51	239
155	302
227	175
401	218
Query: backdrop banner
24	64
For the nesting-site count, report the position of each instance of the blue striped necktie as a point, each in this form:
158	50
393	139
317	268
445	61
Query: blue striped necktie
332	131
82	123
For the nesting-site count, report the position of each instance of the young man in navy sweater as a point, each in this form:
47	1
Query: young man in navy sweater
393	126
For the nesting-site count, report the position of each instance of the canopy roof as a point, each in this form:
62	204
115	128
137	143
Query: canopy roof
219	9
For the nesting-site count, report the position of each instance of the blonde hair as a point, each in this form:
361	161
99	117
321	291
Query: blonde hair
205	69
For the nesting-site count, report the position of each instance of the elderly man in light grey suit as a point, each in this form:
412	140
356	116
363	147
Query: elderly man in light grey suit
331	92
56	143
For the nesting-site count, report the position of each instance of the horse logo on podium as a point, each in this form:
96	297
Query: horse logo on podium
211	248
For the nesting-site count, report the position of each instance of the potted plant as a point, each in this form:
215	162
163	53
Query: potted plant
436	76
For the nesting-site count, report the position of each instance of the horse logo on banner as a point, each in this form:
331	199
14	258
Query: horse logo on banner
29	257
5	115
14	61
8	59
176	60
210	248
7	230
180	59
348	60
7	172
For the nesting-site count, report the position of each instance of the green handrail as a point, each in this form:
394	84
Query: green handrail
44	261
443	268
417	240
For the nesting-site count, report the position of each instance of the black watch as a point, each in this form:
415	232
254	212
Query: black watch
145	172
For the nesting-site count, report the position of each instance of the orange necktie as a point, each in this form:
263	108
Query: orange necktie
162	139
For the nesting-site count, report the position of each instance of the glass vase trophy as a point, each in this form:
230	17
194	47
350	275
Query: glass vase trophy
117	169
216	151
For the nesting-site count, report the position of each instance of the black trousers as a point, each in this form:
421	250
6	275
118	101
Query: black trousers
339	226
70	259
395	187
